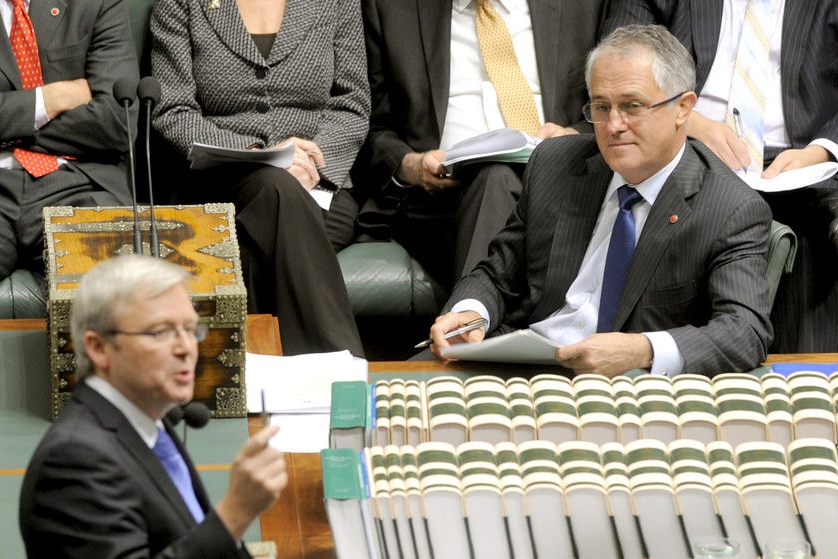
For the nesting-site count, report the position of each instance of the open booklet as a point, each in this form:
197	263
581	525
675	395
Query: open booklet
520	346
205	156
505	145
790	180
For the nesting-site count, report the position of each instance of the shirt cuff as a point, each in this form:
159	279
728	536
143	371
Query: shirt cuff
41	117
828	145
666	357
473	305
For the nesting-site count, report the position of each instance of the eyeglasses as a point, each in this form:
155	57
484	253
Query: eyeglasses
167	334
632	111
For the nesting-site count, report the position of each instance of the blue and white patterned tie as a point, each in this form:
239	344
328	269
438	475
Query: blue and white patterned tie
175	465
751	80
618	260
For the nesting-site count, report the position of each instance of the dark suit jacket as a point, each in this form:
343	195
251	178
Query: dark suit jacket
409	62
808	66
93	488
698	270
84	39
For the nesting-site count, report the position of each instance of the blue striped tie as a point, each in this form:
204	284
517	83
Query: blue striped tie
618	259
175	465
751	79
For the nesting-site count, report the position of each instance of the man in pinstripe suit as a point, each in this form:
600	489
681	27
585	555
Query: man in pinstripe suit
801	129
695	297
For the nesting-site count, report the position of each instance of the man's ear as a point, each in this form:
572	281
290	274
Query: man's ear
94	346
685	106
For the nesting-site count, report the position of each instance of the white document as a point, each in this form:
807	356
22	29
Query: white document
205	156
299	383
790	180
506	145
301	432
520	346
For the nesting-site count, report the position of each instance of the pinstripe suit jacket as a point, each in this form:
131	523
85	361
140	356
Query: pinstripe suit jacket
218	89
808	66
701	277
94	489
408	45
88	39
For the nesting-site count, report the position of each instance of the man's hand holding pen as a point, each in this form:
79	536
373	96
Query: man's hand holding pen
721	139
451	321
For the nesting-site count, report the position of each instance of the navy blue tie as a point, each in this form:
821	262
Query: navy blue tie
618	260
175	465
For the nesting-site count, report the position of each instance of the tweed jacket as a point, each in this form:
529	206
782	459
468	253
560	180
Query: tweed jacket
94	489
218	89
698	270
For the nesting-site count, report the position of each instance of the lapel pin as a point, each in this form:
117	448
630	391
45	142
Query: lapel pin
214	4
54	12
673	218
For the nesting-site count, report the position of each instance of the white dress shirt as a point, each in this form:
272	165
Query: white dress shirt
577	319
713	100
472	100
145	426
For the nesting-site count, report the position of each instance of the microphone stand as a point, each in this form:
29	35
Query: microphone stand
121	89
149	93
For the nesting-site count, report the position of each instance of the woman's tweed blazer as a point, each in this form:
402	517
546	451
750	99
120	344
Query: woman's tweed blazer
218	89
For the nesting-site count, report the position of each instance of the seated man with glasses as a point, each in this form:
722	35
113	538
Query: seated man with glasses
110	478
634	248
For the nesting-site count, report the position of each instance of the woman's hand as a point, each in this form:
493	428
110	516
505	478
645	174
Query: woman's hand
307	159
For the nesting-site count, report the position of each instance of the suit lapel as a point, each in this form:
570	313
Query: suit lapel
435	31
225	20
578	201
113	420
704	20
543	14
669	213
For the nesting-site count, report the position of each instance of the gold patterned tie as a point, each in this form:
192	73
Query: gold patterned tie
517	103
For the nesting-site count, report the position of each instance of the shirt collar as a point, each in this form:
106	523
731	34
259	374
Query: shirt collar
651	187
462	5
145	426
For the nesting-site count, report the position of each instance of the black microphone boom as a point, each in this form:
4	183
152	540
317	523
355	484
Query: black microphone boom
125	91
149	93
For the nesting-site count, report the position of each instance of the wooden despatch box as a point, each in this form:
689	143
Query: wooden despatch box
202	239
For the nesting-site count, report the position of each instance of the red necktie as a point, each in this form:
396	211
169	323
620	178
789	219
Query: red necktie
25	48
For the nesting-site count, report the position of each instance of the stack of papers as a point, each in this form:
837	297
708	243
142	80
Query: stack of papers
205	156
298	394
790	180
506	145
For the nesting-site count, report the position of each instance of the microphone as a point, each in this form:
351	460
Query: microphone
125	91
193	414
149	93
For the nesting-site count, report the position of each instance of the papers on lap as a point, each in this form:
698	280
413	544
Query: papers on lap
790	180
505	145
520	346
205	156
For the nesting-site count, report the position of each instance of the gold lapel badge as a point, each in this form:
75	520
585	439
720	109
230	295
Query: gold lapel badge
214	4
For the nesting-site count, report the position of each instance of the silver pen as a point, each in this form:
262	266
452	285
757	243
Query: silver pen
737	123
468	327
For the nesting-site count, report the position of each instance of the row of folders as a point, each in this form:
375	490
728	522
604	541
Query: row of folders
579	500
733	407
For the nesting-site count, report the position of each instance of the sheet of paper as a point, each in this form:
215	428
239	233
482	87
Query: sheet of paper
204	156
301	432
299	383
791	180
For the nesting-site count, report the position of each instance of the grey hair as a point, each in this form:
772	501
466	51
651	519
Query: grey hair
672	66
108	287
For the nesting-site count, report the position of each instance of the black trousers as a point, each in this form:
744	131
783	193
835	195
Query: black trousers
288	245
449	232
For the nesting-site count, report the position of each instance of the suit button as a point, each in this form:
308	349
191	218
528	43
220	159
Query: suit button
261	73
262	107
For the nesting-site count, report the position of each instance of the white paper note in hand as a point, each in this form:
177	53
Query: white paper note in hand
790	180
